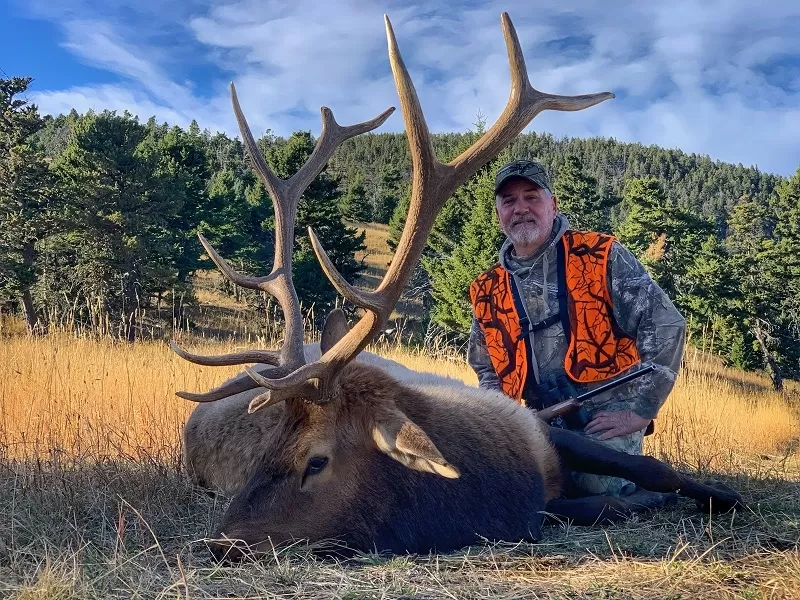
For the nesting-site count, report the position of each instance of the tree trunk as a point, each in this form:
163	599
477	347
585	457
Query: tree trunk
131	333
31	318
772	367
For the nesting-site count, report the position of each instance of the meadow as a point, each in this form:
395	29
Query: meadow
95	503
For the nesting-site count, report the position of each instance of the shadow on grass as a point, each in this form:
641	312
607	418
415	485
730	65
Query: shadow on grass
107	502
123	528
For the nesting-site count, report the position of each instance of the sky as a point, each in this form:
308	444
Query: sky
717	78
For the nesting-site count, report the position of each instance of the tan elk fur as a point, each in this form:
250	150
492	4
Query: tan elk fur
475	431
222	443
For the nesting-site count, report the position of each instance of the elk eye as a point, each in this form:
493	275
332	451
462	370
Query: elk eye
316	464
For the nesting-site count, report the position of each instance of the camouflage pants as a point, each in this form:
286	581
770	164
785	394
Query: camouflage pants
601	484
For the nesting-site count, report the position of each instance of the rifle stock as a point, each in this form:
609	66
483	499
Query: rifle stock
562	408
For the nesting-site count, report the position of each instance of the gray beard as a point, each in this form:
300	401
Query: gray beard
528	234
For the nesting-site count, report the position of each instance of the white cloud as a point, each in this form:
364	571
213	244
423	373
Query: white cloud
120	98
686	76
97	43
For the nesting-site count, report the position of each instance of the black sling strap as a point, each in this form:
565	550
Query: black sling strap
522	310
562	287
562	314
527	328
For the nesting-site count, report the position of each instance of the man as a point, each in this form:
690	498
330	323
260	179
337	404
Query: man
564	312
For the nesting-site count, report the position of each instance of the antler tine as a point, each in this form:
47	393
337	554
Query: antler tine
331	137
284	202
267	357
524	103
275	186
285	196
430	184
239	384
366	300
253	283
228	389
428	175
434	182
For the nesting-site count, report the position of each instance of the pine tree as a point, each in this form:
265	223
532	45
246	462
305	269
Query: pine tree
119	208
780	275
761	240
712	300
356	206
665	238
27	211
748	226
476	251
787	209
388	191
578	197
180	172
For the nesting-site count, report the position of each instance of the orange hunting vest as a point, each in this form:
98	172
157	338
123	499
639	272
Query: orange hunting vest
598	349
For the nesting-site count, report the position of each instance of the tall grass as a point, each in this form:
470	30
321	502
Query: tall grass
83	397
94	504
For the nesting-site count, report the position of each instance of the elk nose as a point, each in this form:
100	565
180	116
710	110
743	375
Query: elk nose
227	551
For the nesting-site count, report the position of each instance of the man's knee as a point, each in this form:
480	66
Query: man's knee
604	485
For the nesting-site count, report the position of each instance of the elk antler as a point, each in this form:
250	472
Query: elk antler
433	183
285	196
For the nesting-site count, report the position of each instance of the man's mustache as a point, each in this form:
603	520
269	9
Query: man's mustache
527	219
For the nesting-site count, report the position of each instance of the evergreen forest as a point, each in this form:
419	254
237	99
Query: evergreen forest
99	216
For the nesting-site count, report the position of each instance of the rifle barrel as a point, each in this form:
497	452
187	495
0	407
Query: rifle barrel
619	381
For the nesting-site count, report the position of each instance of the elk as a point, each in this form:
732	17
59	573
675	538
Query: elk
331	444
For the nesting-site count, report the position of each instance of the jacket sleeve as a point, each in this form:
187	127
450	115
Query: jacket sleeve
478	358
644	311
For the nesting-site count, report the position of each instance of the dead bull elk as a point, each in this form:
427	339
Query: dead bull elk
334	448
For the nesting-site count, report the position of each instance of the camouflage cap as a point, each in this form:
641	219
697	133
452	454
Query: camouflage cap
527	169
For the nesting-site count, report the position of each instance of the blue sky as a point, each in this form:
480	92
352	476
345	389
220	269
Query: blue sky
718	78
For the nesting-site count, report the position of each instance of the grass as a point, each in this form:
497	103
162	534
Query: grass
377	254
95	503
376	258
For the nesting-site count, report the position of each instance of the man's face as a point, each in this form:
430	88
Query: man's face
526	213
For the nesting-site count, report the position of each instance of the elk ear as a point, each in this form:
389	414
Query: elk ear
402	439
334	329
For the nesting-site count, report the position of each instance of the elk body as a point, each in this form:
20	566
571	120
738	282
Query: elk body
366	472
335	444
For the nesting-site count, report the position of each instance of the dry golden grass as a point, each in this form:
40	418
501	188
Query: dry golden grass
710	423
99	398
97	505
108	398
377	254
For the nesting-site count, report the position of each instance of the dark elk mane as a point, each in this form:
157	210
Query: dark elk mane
334	448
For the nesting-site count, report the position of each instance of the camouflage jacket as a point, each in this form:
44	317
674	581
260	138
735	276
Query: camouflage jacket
641	309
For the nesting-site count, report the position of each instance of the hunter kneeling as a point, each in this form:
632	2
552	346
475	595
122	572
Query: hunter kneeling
565	312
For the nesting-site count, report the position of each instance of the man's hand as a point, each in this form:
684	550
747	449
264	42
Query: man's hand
614	424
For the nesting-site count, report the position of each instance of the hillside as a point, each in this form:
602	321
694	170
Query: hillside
692	181
695	181
104	233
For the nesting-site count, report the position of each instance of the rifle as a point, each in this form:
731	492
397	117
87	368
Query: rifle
574	404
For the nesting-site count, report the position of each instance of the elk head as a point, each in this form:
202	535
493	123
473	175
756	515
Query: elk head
338	442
